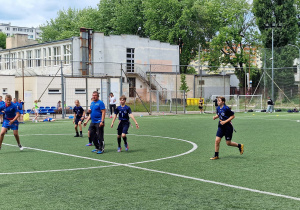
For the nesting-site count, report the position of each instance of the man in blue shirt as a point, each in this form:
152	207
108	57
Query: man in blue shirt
96	128
124	113
11	114
225	127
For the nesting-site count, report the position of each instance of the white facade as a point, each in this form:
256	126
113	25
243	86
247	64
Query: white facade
9	30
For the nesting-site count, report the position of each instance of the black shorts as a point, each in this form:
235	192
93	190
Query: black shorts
225	130
123	127
200	107
77	120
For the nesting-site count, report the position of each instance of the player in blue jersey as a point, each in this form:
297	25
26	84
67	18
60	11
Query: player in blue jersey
20	107
97	125
1	113
11	114
78	117
48	119
225	127
124	113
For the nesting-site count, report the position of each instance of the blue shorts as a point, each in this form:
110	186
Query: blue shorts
14	126
123	127
21	111
77	120
225	130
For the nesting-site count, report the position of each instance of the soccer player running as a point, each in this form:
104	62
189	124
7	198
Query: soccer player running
225	127
97	125
11	114
78	117
36	111
124	113
20	107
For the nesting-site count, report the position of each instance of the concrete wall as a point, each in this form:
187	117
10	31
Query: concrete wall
19	40
7	86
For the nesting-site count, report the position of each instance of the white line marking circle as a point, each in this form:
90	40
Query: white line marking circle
195	146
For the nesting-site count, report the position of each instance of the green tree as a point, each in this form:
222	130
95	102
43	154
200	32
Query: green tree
184	85
2	40
235	31
283	13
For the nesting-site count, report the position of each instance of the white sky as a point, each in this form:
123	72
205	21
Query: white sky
32	13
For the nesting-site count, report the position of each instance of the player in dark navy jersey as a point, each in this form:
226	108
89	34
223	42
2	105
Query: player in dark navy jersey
225	127
11	114
124	113
78	117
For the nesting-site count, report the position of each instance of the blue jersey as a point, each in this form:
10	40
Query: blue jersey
123	112
79	111
96	114
48	119
19	105
10	111
2	103
224	113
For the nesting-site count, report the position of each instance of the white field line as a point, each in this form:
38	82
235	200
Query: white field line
58	170
172	174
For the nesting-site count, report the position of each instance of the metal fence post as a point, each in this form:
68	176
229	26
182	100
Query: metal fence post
62	91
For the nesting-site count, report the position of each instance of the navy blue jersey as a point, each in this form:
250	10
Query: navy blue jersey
224	113
10	111
123	112
96	114
79	111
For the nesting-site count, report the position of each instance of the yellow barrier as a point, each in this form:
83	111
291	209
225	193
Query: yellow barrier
193	101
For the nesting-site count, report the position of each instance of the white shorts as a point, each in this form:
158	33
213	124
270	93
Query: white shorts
36	111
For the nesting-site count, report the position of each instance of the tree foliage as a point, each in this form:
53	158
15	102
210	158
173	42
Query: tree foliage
184	85
2	40
285	14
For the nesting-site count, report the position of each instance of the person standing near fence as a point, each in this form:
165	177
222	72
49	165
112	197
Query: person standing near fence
270	105
201	106
78	117
36	111
112	103
97	125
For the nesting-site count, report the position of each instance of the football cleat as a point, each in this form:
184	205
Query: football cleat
21	148
89	144
214	158
119	149
99	152
241	149
126	147
94	150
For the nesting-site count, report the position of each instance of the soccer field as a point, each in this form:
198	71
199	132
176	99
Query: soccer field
166	167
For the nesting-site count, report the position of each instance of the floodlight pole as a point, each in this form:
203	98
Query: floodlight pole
298	71
273	64
62	91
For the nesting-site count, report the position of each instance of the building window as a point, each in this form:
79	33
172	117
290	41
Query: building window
67	54
13	61
80	91
49	56
6	60
29	58
132	87
201	82
15	29
130	59
19	60
7	28
4	91
56	54
8	34
45	56
20	29
54	91
38	57
30	36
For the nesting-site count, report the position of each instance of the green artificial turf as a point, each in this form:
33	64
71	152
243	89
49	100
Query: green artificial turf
59	172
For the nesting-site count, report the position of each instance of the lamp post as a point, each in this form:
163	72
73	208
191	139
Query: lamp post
298	71
272	26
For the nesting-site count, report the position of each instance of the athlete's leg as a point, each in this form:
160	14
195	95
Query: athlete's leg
16	134
2	134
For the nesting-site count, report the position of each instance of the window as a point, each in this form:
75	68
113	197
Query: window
67	54
29	58
54	91
45	56
19	60
130	59
20	29
8	34
13	61
80	91
49	56
30	36
7	28
38	57
6	60
15	29
201	82
56	53
4	91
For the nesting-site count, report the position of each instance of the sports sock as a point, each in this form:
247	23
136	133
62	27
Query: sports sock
216	154
125	140
81	132
119	142
90	140
77	134
239	146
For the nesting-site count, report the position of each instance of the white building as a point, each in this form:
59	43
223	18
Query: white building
128	59
9	30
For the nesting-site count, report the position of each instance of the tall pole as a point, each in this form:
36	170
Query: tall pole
200	66
121	80
299	77
23	83
62	91
273	65
150	91
176	90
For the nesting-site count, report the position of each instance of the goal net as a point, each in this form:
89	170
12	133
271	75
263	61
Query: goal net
168	101
241	103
